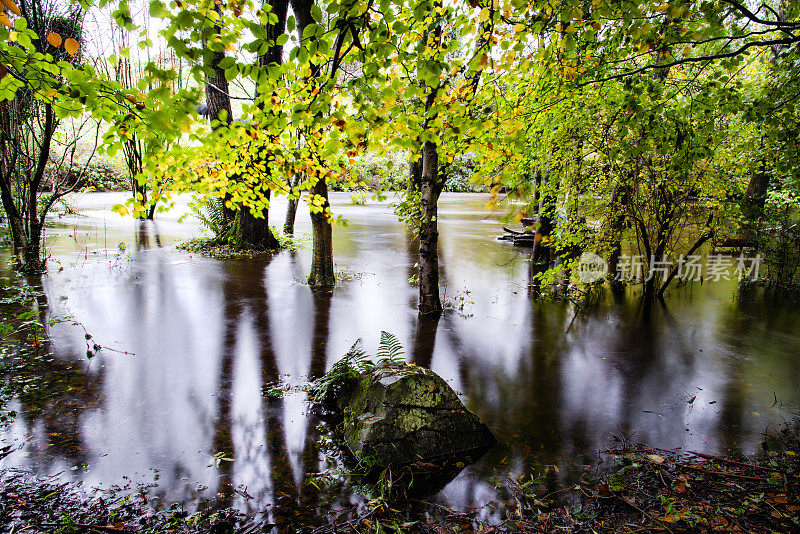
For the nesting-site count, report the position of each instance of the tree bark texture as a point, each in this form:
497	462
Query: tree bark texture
322	274
291	208
429	301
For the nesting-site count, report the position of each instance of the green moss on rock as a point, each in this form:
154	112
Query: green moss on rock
398	414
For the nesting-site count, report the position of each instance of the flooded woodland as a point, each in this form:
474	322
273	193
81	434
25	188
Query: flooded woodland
399	266
179	395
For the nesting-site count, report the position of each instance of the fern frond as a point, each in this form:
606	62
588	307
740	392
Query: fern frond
390	348
350	365
354	358
212	216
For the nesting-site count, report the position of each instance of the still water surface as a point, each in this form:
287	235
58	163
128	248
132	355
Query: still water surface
208	336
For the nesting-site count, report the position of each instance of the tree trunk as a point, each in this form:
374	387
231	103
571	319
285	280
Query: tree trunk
32	261
24	220
547	207
16	225
322	274
291	208
756	195
537	188
414	176
217	95
254	233
649	289
218	100
541	248
291	214
429	301
618	199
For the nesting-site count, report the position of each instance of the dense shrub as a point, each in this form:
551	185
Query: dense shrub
389	172
100	175
459	177
358	197
386	172
779	241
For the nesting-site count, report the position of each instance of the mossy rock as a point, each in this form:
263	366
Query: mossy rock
399	414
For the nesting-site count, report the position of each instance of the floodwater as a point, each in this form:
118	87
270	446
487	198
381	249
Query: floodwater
712	372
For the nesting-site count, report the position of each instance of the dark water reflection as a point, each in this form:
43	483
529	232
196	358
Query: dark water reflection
209	336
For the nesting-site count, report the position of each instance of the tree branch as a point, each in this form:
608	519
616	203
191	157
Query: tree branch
697	59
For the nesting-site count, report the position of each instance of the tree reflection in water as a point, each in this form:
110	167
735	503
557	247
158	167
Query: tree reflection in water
210	336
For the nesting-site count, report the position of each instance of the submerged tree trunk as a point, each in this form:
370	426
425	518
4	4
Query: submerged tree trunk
291	208
541	253
32	261
218	100
27	130
253	231
429	301
618	200
247	230
322	274
24	220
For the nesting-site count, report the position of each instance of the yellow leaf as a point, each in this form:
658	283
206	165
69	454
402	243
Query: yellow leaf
71	46
656	458
12	7
5	21
54	39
